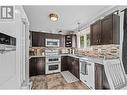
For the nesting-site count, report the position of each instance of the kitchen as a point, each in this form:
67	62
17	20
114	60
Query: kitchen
64	48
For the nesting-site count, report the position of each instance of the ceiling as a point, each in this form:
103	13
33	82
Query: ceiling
69	16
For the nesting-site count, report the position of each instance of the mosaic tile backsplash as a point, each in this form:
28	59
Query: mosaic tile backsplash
101	51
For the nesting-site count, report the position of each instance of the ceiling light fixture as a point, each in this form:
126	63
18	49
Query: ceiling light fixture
53	17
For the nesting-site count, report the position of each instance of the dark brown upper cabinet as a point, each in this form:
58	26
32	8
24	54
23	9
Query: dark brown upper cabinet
52	36
106	31
38	39
96	33
110	27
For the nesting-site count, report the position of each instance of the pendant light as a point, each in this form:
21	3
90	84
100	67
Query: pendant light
53	17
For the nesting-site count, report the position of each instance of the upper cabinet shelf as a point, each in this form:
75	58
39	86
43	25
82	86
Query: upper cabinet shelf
106	30
70	40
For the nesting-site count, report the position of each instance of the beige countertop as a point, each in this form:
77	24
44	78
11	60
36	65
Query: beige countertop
35	56
92	59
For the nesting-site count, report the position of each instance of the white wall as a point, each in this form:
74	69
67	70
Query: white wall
14	28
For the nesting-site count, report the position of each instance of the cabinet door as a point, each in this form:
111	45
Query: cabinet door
107	30
38	39
51	36
64	63
98	76
37	66
41	40
96	33
76	67
40	66
34	39
73	66
70	63
32	67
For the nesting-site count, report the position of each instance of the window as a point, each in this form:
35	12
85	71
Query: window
87	40
81	41
83	38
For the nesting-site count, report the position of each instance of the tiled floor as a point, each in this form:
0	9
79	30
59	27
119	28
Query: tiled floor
55	81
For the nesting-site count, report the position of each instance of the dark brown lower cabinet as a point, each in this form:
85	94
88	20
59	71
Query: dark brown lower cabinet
76	67
32	67
71	64
64	63
99	76
37	66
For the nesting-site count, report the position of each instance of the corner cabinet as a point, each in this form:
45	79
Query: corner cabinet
106	30
71	64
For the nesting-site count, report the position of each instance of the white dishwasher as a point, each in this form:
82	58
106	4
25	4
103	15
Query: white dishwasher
87	72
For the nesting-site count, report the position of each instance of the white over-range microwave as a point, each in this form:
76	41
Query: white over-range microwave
52	42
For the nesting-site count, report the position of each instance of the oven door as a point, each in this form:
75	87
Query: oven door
52	43
53	59
53	68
